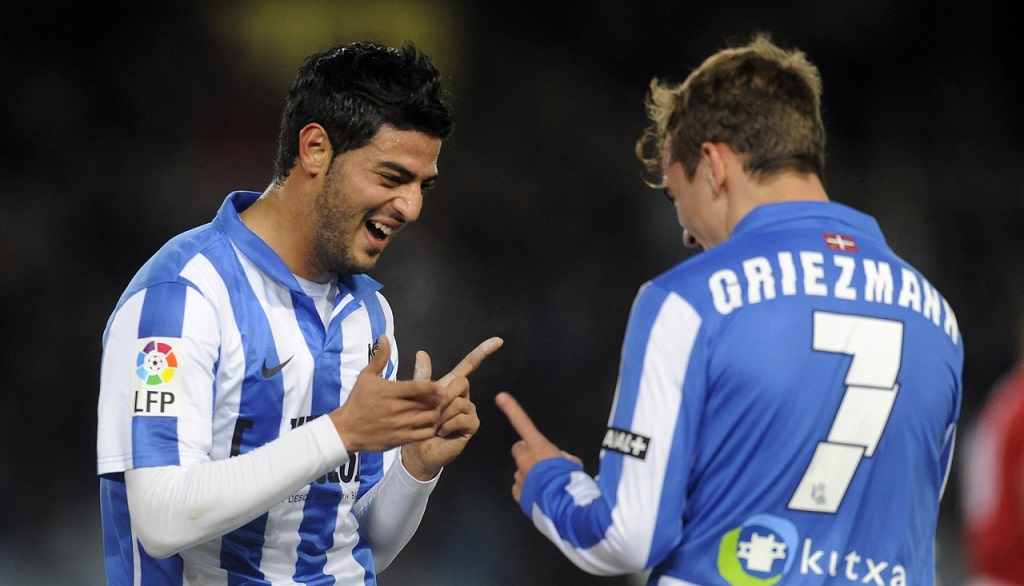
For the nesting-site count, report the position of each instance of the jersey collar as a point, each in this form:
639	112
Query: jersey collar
256	250
770	217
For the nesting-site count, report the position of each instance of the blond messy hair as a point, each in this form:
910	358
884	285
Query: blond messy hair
761	100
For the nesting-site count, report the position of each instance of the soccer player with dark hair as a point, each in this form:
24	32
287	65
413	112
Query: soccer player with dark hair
787	398
251	427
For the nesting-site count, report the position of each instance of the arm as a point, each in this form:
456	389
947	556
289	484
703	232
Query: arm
391	511
176	507
630	517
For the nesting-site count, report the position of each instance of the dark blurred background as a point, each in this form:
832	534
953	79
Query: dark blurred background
124	124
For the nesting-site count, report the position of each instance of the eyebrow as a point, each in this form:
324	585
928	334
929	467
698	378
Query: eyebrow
404	173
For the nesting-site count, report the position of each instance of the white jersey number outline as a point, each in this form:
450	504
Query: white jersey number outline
876	346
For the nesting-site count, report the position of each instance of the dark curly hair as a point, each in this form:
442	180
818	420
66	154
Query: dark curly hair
352	90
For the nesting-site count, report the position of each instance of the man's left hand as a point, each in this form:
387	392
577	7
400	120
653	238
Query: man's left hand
459	420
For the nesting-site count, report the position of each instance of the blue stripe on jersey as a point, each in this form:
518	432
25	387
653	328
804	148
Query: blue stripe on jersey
371	470
372	464
117	532
319	521
241	559
545	486
154	441
155	438
260	408
117	536
378	324
163	311
160	571
362	554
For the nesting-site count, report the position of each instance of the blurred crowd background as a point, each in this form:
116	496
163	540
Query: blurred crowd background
122	124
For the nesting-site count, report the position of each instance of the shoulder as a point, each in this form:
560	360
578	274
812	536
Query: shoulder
188	251
378	299
174	255
689	279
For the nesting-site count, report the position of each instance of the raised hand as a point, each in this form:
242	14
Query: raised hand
381	414
458	422
533	445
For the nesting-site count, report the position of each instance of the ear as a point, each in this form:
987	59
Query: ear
314	150
715	172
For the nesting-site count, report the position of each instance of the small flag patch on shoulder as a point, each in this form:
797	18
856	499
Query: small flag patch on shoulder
840	242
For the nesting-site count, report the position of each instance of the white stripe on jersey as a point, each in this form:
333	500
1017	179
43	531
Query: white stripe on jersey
194	432
205	567
200	271
658	404
113	443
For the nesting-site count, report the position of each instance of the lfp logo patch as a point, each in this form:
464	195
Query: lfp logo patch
157	383
156	363
758	552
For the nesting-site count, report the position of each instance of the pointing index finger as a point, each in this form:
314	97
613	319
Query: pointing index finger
520	421
474	359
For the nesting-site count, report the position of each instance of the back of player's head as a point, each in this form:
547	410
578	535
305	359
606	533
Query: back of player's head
352	90
761	100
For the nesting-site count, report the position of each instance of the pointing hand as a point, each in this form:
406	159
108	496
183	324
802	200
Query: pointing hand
533	447
458	420
381	414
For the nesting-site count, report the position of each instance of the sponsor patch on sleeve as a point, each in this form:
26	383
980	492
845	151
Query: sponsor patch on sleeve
157	383
626	442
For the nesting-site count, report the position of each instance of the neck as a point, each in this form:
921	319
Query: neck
784	187
790	187
275	217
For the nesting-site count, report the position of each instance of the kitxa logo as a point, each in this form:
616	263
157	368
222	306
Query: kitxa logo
758	552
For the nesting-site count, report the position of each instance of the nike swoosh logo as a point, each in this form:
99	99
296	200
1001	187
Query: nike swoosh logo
269	372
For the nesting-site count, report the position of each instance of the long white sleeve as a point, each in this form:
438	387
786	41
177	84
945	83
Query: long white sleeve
176	507
391	511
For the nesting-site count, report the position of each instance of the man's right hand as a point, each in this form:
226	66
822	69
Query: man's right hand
533	445
381	414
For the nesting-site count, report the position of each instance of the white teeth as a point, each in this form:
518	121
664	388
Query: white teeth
385	229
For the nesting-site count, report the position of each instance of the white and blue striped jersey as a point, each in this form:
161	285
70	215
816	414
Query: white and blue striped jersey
213	351
785	413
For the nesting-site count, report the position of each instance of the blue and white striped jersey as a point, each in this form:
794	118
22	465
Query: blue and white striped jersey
785	413
212	351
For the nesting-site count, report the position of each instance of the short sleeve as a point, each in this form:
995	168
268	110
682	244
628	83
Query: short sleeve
157	379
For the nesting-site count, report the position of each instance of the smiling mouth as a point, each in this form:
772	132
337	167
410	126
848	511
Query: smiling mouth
379	231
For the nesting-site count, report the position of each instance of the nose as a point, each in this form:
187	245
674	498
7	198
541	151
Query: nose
409	202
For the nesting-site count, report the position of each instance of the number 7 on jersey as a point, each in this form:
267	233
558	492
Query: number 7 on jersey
876	346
